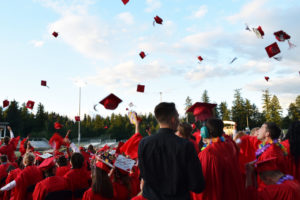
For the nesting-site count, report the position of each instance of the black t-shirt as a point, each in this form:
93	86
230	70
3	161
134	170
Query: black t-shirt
169	166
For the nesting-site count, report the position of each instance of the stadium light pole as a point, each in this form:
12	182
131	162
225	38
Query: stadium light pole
80	84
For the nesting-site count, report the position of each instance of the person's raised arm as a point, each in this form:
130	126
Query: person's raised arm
10	132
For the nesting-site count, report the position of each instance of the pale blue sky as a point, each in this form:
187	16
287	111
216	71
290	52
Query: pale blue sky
99	42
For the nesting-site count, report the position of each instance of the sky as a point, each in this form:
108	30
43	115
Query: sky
100	40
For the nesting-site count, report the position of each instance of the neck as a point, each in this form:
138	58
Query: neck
266	139
164	126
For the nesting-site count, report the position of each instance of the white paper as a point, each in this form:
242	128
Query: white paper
74	148
124	163
46	155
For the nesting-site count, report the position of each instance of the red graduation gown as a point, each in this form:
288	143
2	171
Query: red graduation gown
78	179
9	150
11	176
121	192
140	197
23	148
50	184
31	175
221	172
61	171
3	172
288	190
130	147
90	195
294	168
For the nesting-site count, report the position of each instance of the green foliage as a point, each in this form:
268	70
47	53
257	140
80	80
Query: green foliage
205	97
224	111
267	105
189	116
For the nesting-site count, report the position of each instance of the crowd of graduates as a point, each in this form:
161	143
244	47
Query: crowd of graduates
178	162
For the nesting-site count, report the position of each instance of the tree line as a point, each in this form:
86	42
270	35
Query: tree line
116	126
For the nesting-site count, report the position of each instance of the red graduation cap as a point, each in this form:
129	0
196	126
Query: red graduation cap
103	166
142	54
104	148
202	111
77	118
125	1
5	103
267	78
269	164
200	58
262	33
55	34
43	83
281	36
57	126
47	164
105	127
111	102
30	104
259	32
140	88
130	147
158	20
272	49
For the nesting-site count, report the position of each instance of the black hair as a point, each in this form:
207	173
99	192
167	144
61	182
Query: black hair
215	127
101	183
3	158
164	112
273	129
62	161
77	160
293	136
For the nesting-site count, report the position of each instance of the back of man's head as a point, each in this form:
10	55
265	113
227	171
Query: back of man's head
3	158
62	161
6	140
77	160
273	129
215	127
164	112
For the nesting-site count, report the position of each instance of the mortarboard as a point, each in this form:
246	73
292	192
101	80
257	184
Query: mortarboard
77	118
259	32
267	78
5	103
125	1
281	36
234	59
142	54
103	166
47	164
269	164
44	83
140	88
57	125
158	20
272	50
30	104
55	34
111	102
200	58
202	111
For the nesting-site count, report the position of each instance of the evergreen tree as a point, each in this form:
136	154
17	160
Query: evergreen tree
267	105
276	110
205	97
189	116
238	111
224	111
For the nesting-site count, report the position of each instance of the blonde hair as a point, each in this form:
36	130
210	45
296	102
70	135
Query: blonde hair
29	159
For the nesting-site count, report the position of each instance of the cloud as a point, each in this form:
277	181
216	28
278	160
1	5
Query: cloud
126	17
127	74
201	12
153	5
37	43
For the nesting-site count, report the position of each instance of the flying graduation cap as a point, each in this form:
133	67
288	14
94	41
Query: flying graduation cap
267	78
247	27
202	111
55	34
77	118
44	83
140	88
125	1
259	32
200	58
234	59
281	36
30	104
157	20
5	103
272	49
111	102
142	54
57	126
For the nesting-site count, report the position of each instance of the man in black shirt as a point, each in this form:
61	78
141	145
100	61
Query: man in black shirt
169	164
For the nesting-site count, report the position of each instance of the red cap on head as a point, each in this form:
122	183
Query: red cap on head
77	118
272	50
142	54
200	58
269	164
57	125
30	104
5	103
125	1
281	36
140	88
81	149
47	164
158	20
55	34
111	102
103	166
43	83
202	111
